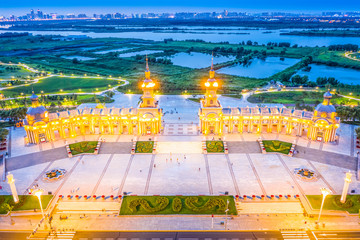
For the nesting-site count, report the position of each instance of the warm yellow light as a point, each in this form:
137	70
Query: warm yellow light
37	193
215	84
150	85
207	84
143	85
325	191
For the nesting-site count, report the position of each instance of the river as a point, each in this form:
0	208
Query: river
231	35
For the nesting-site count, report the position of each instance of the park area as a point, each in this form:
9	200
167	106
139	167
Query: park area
13	71
26	202
301	97
158	205
332	202
57	84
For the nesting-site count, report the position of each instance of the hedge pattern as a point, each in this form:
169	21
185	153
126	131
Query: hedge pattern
277	146
162	205
144	147
215	146
161	201
176	205
216	204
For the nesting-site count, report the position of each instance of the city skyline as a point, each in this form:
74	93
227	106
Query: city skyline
108	6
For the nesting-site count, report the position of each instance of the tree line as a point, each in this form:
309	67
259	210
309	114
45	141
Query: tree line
344	47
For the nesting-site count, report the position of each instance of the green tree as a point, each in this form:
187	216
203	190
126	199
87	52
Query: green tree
8	208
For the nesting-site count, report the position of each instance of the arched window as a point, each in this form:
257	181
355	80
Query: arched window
211	101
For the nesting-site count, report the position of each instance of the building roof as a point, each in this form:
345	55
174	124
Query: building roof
266	111
325	108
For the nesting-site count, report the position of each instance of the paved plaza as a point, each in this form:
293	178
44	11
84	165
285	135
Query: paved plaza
179	167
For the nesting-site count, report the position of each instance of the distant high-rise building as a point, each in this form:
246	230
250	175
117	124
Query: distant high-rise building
40	14
331	14
32	14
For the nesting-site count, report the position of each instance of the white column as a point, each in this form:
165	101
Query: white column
346	187
11	182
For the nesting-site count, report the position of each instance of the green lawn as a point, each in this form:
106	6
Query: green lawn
352	204
158	205
277	146
7	72
144	146
55	84
27	202
293	97
83	147
215	146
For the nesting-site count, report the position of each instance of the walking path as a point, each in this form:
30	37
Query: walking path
208	174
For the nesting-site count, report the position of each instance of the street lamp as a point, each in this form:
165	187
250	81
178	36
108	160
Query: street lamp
324	192
38	193
226	211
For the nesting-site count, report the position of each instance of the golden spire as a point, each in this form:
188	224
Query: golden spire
147	72
212	72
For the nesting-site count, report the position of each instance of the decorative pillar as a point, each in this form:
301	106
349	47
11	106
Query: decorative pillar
11	182
347	181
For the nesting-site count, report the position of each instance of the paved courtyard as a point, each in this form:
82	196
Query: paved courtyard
179	166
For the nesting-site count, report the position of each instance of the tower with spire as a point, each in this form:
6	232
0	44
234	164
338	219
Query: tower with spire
149	113
148	86
210	112
211	86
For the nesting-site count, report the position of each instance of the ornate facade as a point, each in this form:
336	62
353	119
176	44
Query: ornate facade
319	125
42	126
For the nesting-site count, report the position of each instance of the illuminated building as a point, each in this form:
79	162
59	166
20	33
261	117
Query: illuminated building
319	125
42	126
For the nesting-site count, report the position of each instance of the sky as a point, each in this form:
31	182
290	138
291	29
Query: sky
138	6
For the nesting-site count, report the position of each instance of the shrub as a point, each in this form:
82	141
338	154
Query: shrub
191	203
22	200
348	203
162	202
176	205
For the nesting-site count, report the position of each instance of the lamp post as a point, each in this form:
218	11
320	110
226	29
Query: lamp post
226	212
38	193
324	192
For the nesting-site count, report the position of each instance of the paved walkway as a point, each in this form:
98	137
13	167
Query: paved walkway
115	147
330	158
32	159
243	147
35	158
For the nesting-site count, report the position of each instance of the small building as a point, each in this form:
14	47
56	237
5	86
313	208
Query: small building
319	125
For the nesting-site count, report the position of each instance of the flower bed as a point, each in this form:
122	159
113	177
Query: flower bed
54	175
26	202
305	174
215	146
276	146
83	147
158	205
144	147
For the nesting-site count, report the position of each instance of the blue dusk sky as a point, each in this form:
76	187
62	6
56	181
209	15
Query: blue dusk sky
139	6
